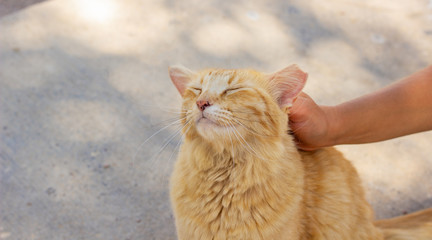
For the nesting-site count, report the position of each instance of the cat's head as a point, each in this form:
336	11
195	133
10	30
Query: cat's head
235	105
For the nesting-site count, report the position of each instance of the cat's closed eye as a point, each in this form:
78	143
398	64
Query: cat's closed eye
231	90
196	90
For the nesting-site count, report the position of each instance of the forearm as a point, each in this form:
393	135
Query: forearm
402	108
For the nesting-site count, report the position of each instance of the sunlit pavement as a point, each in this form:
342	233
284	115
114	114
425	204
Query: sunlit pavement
84	85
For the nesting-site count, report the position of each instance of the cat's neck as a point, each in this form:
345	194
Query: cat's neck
254	152
240	168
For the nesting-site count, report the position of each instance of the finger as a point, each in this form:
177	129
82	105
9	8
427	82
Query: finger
298	106
303	147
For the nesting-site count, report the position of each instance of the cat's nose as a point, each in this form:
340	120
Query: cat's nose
203	104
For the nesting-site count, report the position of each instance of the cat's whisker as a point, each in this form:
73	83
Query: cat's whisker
180	141
189	127
154	134
158	107
227	115
225	134
176	133
175	150
236	133
189	122
250	112
236	120
232	145
249	129
163	122
247	120
176	111
175	120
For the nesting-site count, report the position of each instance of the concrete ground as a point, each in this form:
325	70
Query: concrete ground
84	84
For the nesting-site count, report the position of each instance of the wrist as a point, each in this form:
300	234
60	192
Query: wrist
333	125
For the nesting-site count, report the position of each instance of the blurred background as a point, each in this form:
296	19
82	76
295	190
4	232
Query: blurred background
88	135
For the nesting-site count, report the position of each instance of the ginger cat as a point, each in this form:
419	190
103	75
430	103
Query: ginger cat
239	175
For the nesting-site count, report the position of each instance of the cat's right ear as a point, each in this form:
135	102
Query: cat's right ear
180	76
286	84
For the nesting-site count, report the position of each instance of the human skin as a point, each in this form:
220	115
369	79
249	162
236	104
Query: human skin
402	108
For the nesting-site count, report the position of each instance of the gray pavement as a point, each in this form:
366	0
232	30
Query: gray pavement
84	84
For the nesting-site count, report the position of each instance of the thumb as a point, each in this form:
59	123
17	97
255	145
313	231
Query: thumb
298	110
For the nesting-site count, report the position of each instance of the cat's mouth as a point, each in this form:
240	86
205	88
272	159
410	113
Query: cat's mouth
208	121
205	120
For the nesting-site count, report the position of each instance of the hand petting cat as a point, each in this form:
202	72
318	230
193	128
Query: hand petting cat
402	108
309	123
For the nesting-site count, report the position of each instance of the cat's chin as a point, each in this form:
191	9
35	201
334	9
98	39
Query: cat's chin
205	124
209	129
205	121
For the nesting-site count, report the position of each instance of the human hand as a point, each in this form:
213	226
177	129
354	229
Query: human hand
309	123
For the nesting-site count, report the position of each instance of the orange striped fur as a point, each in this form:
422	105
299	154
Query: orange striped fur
239	174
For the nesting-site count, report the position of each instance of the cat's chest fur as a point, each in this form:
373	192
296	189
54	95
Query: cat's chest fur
218	197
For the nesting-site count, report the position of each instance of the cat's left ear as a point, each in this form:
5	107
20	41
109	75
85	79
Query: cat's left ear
180	76
286	84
